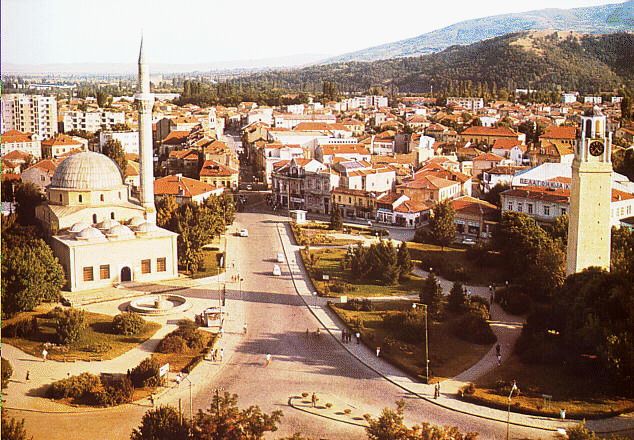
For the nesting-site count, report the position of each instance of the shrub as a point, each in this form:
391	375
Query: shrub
364	305
146	374
513	302
456	273
192	364
22	328
468	389
472	327
77	388
97	347
328	405
7	372
406	326
479	306
173	344
115	392
70	325
341	287
128	323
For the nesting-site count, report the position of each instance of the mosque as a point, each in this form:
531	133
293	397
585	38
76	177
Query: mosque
99	233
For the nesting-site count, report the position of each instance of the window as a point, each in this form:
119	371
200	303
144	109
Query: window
81	199
161	264
563	211
104	272
94	218
520	207
60	197
146	266
42	178
88	275
112	215
101	198
510	206
529	208
546	210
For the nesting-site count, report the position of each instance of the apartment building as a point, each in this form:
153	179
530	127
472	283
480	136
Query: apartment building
471	104
92	121
29	114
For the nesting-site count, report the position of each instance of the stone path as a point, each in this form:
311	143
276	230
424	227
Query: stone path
505	326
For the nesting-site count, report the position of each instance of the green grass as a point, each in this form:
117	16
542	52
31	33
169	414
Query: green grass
98	342
319	234
329	261
211	260
448	354
580	395
446	261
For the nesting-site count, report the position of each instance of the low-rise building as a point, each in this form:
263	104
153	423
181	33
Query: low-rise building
219	175
129	140
14	140
474	218
62	144
184	190
40	174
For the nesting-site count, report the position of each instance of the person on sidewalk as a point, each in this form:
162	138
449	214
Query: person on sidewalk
28	374
358	336
498	349
499	360
267	360
313	400
378	351
244	328
44	355
343	336
222	354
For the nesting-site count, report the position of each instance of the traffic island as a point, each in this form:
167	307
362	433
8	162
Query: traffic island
330	407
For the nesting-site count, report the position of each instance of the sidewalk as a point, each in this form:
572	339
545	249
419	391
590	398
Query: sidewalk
506	327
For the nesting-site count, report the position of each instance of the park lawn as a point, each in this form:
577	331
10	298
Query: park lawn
319	234
330	264
446	261
98	341
448	354
211	263
581	396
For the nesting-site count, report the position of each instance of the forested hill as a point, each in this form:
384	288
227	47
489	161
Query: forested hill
600	19
544	60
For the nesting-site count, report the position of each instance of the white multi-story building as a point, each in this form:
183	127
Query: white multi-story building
472	104
592	100
92	121
14	140
129	140
29	114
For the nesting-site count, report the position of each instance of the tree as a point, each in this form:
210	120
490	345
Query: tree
559	229
27	197
388	262
225	421
7	372
13	429
162	423
622	255
493	196
456	300
390	425
115	151
624	162
431	294
166	211
404	260
336	222
626	108
69	325
30	272
441	224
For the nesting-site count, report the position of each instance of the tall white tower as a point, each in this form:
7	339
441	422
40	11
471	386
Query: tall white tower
145	101
590	196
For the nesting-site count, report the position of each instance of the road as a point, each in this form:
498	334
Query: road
277	322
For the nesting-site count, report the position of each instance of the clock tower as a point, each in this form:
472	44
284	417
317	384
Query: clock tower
590	196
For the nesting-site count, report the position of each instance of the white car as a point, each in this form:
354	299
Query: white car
469	241
277	271
280	257
244	233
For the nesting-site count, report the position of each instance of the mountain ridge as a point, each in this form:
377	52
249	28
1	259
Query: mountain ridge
613	17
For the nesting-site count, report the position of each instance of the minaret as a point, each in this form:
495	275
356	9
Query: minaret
145	101
590	196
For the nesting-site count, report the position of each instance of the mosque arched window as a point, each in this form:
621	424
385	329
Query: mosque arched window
60	197
112	215
94	218
81	199
101	198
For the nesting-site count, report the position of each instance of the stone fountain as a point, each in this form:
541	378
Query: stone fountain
161	304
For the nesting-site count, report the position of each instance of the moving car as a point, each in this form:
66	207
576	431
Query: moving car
244	233
277	271
280	257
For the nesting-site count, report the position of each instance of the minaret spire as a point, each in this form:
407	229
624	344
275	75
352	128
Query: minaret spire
145	102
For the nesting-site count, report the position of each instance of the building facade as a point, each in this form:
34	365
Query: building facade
29	114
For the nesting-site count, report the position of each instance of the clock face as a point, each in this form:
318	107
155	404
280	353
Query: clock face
596	148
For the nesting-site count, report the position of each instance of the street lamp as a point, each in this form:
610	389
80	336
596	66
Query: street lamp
191	405
508	414
424	306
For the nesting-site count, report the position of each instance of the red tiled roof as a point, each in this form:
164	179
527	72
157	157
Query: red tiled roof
490	131
15	136
60	140
189	154
506	144
471	205
488	157
16	155
172	185
212	168
176	137
429	182
559	132
411	206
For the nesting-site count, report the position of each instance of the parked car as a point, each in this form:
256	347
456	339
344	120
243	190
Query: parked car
280	257
277	271
469	241
244	233
249	187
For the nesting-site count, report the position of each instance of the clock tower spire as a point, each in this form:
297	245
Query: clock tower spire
590	196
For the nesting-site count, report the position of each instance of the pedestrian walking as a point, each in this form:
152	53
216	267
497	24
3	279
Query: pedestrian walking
213	355
499	359
222	354
498	348
349	335
358	336
28	374
378	351
244	328
343	336
267	359
562	414
313	399
151	398
436	391
44	354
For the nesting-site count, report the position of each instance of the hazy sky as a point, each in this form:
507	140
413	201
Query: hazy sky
199	31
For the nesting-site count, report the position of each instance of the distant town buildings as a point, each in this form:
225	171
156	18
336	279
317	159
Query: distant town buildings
35	114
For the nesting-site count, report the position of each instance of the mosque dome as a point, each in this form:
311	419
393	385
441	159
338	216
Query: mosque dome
78	227
136	222
146	228
108	224
120	231
87	170
90	233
